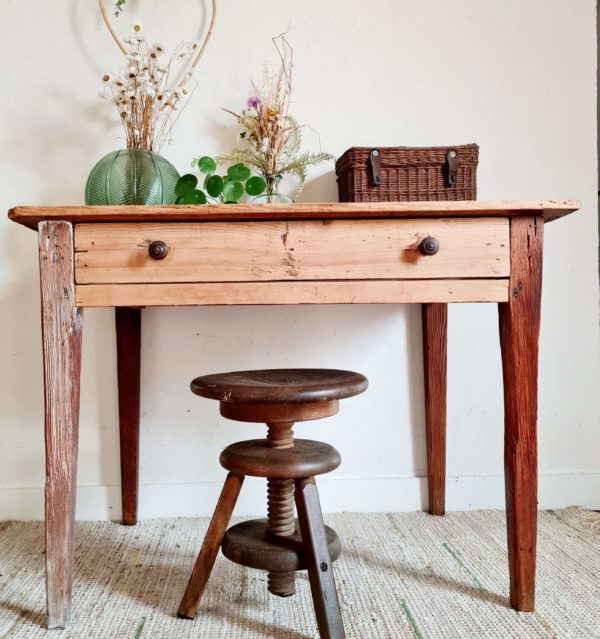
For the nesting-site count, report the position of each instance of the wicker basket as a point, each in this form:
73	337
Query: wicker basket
404	174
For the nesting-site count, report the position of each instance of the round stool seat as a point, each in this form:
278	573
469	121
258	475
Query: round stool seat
251	545
286	385
256	458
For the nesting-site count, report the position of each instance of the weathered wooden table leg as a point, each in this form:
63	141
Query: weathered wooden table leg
61	336
435	321
519	333
129	328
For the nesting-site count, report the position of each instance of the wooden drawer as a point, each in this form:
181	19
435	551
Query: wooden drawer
297	250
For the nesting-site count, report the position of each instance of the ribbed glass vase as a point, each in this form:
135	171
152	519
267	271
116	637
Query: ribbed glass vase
131	176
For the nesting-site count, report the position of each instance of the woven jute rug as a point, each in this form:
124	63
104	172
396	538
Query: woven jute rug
401	575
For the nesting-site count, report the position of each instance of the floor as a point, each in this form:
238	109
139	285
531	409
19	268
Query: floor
401	575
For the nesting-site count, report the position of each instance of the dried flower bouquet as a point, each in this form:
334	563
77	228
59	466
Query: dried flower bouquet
271	137
152	88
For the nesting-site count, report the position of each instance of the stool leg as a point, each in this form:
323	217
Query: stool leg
210	547
320	568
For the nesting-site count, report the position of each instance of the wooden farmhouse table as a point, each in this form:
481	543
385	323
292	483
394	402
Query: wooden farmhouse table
430	253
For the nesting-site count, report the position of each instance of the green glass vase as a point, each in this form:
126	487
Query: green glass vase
131	176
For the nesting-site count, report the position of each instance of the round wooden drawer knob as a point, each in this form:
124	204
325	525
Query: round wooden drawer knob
429	246
158	250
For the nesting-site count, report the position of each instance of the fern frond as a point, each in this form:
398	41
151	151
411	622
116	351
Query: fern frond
294	140
245	156
299	166
305	160
301	173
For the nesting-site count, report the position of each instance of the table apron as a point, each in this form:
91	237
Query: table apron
328	292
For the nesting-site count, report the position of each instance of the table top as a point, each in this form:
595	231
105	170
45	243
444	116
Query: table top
550	209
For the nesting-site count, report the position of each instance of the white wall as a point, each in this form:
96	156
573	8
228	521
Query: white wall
516	77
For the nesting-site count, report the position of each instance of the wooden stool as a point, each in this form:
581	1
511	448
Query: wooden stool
279	398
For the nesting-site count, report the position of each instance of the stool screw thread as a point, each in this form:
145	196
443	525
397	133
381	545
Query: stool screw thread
280	435
280	507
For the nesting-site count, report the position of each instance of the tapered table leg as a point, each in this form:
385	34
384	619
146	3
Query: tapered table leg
61	339
519	332
320	567
128	327
435	321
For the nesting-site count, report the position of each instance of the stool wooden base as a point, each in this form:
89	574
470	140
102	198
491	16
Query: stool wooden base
250	544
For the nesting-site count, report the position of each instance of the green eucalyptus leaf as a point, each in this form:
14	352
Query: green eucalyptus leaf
207	165
192	197
255	185
214	185
233	191
185	184
239	172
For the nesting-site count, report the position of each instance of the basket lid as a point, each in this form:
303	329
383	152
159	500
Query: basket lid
400	156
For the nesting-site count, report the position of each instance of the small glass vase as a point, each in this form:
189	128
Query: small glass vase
272	198
131	176
272	195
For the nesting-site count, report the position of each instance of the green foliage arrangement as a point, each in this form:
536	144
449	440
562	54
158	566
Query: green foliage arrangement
226	189
273	166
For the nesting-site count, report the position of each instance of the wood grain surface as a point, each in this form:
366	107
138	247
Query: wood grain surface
280	385
268	251
435	322
519	334
320	566
549	209
349	292
257	412
61	338
254	458
210	547
129	329
250	544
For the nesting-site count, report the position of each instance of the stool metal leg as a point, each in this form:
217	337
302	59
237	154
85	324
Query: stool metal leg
210	547
320	567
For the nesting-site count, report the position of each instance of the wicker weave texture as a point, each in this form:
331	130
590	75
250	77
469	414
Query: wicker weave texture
407	174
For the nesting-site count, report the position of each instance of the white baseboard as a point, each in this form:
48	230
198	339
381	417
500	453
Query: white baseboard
338	493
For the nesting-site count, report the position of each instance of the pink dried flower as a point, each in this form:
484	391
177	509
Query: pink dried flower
253	102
